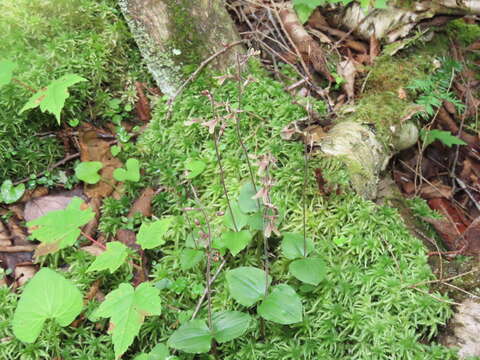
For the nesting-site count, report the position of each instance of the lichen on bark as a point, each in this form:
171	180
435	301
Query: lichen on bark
174	36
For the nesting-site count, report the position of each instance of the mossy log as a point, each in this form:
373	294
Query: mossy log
174	34
398	19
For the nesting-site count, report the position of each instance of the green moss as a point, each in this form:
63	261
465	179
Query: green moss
49	39
364	310
464	33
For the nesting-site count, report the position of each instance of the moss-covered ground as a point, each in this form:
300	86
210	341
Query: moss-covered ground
371	304
49	39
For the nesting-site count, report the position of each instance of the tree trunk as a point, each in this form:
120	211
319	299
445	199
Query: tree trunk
175	34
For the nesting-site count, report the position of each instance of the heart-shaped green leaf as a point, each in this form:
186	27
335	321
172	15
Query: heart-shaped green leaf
6	71
151	234
111	259
241	219
193	337
245	201
228	325
293	246
87	171
282	306
255	221
236	241
189	258
47	295
130	173
247	284
309	270
195	168
9	193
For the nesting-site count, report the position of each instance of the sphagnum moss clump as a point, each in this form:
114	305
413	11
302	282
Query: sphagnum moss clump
368	306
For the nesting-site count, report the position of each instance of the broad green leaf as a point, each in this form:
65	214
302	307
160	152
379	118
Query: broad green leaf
130	173
309	270
111	259
47	295
446	137
189	258
193	337
245	201
151	234
87	171
6	71
52	98
127	307
159	352
236	241
255	221
115	150
282	306
229	325
247	284
60	228
241	219
9	193
381	4
293	246
195	168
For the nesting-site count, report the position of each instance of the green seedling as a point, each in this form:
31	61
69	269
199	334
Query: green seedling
10	193
87	171
195	168
152	234
113	257
130	173
127	308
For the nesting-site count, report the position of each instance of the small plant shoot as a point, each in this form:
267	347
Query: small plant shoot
52	98
152	234
87	171
61	228
113	257
130	173
10	193
127	308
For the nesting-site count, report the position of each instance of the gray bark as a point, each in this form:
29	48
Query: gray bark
172	34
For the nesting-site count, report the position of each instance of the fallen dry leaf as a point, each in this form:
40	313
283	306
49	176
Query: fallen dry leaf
23	273
348	71
40	206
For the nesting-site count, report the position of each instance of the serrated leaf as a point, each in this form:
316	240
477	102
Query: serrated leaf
293	246
111	259
247	284
282	306
195	168
6	71
229	325
446	137
130	173
245	199
241	219
60	228
52	98
87	171
193	337
189	258
9	193
236	241
151	234
47	295
127	307
310	270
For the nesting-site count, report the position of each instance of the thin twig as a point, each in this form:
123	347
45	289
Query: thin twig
50	168
194	75
18	248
